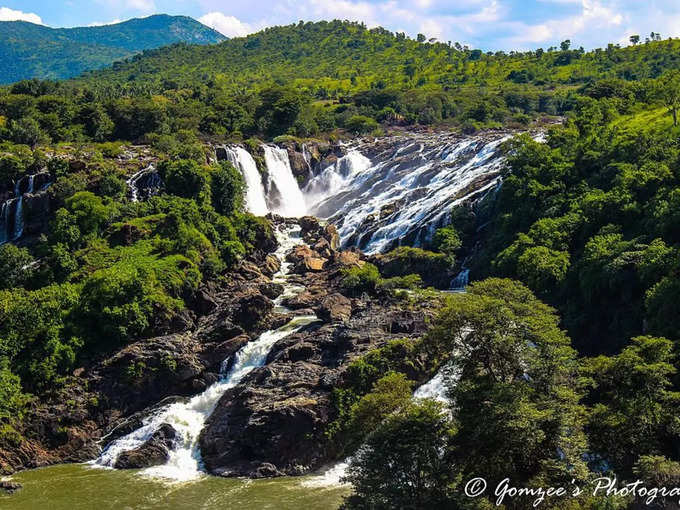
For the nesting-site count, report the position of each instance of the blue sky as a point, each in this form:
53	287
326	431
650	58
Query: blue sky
486	24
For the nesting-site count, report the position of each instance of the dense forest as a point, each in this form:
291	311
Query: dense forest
564	364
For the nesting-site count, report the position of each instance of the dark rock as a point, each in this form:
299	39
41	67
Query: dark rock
154	452
204	302
334	307
271	290
222	330
221	154
308	224
253	309
9	486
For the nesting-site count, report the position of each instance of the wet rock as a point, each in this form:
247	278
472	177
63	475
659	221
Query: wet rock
312	264
218	353
9	486
302	300
334	307
308	224
154	452
221	153
330	233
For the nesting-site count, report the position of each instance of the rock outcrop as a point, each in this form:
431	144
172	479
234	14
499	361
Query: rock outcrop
154	452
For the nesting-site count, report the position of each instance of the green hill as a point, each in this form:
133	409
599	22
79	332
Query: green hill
35	51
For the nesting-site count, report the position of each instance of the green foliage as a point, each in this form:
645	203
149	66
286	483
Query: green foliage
227	189
628	390
447	241
433	268
414	443
518	377
360	124
361	279
15	266
184	178
12	400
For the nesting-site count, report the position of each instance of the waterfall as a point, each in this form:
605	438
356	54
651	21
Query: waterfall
12	211
146	182
461	280
335	177
244	162
290	202
5	231
405	189
188	418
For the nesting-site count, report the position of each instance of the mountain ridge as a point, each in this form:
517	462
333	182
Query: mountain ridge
28	50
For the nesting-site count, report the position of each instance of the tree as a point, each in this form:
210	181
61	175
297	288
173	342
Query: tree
227	188
405	463
668	91
184	178
421	38
518	377
632	406
634	39
565	45
447	241
15	265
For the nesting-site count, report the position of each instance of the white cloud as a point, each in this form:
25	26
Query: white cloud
229	26
7	14
103	23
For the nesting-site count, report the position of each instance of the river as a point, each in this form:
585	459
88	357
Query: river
82	487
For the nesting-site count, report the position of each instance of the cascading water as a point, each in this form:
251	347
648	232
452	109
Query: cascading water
188	418
12	211
145	182
405	189
244	162
336	177
461	280
288	200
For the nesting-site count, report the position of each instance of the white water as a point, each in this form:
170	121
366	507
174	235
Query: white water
132	181
12	231
405	191
244	162
188	418
336	177
292	203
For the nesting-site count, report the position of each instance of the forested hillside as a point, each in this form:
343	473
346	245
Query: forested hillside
556	366
36	51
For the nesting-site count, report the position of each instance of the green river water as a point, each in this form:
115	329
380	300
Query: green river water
79	487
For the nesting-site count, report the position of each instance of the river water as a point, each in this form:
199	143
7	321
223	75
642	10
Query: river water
80	487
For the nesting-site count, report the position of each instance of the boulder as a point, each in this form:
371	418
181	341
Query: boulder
271	265
271	290
154	452
312	264
330	233
252	309
334	308
308	224
347	259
